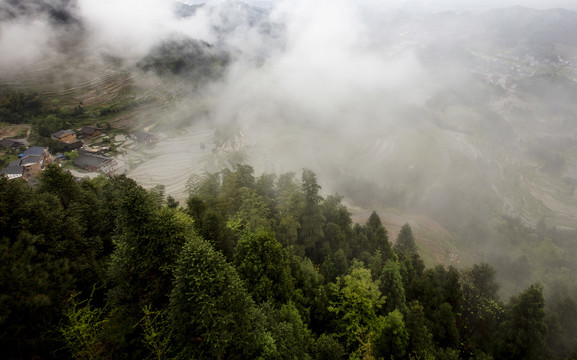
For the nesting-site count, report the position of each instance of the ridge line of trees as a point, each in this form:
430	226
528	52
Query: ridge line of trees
249	268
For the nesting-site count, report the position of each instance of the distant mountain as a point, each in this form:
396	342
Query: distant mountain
186	57
554	25
60	12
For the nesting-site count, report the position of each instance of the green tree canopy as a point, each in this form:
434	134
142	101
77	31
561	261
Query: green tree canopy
211	313
392	340
263	264
523	333
356	303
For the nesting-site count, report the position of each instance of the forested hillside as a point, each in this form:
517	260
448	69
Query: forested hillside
248	268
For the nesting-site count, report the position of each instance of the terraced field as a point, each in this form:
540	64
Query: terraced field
120	96
422	158
173	159
128	99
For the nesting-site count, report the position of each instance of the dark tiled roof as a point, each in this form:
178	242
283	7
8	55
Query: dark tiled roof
84	160
9	143
12	171
72	146
30	160
34	150
62	133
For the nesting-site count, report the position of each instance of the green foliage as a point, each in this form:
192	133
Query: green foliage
52	247
311	220
420	338
337	228
481	309
257	286
334	265
391	285
392	340
405	243
114	108
34	284
211	313
562	324
189	58
292	338
148	239
7	158
263	264
356	302
82	331
290	204
254	211
523	333
377	236
157	333
327	347
17	107
444	326
309	296
73	155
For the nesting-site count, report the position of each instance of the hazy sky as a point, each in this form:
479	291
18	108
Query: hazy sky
438	5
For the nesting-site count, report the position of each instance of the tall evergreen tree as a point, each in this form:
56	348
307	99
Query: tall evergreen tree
377	236
523	333
357	303
405	243
289	208
392	340
337	228
327	347
420	338
312	219
481	310
562	325
212	314
292	338
148	239
391	285
263	264
49	248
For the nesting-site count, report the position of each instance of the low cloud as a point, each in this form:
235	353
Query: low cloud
25	41
129	28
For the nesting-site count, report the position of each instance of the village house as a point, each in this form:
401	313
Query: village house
89	132
29	165
65	136
97	163
67	147
10	144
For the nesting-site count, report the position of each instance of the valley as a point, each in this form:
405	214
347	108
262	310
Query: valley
479	125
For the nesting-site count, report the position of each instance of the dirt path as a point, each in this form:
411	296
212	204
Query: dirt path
11	130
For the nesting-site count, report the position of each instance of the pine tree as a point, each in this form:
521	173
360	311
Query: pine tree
148	240
211	313
481	309
311	231
392	341
357	303
391	285
523	333
377	236
262	263
405	243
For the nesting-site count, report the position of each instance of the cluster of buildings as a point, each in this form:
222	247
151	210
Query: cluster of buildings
34	159
29	164
70	140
